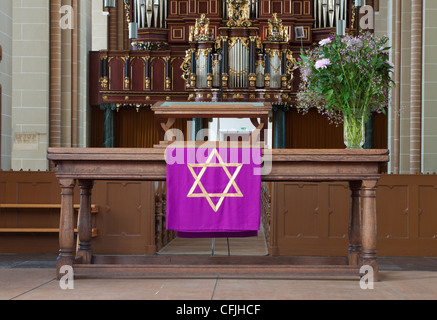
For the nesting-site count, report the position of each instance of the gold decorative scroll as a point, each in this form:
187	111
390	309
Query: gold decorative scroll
186	67
203	52
239	74
290	63
233	40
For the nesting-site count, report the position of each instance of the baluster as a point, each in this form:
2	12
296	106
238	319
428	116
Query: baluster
168	233
84	221
158	217
66	226
368	225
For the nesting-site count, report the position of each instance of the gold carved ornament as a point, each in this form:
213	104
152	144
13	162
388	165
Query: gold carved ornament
200	31
238	13
276	30
290	65
186	67
244	41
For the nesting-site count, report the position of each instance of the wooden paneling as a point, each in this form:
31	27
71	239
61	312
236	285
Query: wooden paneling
312	218
158	74
314	130
410	228
126	223
116	74
138	72
176	74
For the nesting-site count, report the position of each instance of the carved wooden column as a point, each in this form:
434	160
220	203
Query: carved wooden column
66	225
355	224
369	225
84	221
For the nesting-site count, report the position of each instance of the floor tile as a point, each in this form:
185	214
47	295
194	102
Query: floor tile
412	284
125	289
300	290
14	282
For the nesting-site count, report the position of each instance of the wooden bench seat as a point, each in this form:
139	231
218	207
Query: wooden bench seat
94	209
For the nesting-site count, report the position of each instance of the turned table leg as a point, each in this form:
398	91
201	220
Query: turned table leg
369	225
84	221
66	226
354	224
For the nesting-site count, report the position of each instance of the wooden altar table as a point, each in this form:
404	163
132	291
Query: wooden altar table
361	168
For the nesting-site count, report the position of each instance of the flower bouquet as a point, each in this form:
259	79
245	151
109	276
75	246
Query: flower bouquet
347	78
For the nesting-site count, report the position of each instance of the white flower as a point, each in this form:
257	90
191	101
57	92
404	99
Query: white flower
390	63
322	64
325	41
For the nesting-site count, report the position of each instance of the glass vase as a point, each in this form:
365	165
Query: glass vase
354	131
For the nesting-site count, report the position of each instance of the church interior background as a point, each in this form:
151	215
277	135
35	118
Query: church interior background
78	73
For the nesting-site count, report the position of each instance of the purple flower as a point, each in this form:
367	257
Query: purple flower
322	64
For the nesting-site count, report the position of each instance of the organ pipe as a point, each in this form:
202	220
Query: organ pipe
149	13
328	12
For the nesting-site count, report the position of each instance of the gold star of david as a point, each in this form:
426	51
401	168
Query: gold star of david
207	195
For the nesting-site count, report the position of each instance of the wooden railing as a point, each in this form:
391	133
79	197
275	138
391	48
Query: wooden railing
312	218
162	235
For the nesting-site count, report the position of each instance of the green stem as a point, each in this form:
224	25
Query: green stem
354	131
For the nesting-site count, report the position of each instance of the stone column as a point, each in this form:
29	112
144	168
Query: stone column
197	126
108	125
397	91
416	87
279	136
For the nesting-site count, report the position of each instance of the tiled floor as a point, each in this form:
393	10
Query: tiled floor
32	277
